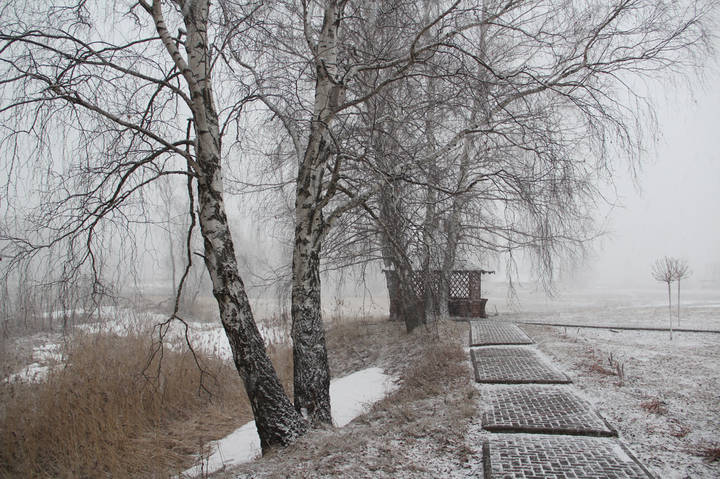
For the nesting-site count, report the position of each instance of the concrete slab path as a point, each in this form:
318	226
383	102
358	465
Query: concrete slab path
555	457
488	333
514	365
539	427
542	409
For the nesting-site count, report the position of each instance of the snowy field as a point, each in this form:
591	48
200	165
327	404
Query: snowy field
665	398
666	403
617	307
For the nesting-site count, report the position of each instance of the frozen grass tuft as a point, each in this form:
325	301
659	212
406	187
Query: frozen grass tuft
655	406
711	452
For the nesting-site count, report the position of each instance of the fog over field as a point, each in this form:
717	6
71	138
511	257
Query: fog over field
673	210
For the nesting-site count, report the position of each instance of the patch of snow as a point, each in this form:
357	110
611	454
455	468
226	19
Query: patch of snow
350	396
47	352
32	373
44	357
620	452
242	445
62	313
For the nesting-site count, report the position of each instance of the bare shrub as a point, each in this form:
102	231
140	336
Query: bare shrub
655	406
618	367
680	431
597	367
615	367
711	453
98	416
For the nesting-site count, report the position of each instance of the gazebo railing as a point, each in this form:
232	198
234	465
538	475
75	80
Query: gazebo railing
464	290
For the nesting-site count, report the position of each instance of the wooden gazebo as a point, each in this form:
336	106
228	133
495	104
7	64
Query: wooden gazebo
464	290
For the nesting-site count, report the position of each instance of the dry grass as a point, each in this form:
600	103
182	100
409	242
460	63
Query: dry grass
710	453
419	428
98	415
655	406
595	364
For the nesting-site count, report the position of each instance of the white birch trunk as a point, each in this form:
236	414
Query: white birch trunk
276	420
311	371
678	304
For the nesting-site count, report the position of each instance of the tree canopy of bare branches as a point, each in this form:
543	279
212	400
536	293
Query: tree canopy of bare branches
400	127
105	99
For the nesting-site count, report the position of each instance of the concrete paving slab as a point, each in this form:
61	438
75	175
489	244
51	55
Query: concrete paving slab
514	365
512	456
488	333
542	410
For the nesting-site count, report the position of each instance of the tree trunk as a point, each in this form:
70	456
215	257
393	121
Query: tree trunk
428	237
670	309
310	364
430	222
276	421
411	306
312	373
404	303
678	304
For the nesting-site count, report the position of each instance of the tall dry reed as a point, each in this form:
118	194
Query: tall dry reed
107	412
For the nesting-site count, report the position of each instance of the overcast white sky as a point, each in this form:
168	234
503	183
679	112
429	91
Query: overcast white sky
676	212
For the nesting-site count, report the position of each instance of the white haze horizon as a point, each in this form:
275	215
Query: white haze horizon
667	209
673	209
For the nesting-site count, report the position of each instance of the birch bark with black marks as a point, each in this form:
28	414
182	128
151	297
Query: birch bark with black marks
310	364
276	421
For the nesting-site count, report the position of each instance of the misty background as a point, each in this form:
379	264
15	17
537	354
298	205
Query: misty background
673	209
666	206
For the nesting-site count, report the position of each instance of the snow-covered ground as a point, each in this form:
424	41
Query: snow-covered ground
667	405
208	337
350	396
681	377
603	306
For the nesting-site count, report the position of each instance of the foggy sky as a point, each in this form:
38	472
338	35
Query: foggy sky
676	209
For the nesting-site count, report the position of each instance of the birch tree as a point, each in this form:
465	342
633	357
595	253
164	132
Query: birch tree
318	58
553	91
95	97
545	111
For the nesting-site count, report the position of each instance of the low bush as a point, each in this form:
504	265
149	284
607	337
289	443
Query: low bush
711	453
